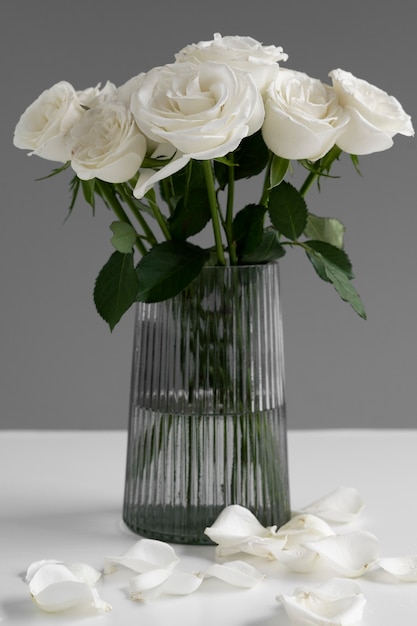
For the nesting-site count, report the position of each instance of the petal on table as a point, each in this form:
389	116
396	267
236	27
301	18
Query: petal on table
403	568
234	524
145	555
341	505
335	603
351	554
302	528
54	587
236	573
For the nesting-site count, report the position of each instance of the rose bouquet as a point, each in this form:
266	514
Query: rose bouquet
180	136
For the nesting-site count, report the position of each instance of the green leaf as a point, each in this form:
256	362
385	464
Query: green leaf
287	210
124	236
88	187
167	269
279	168
116	287
338	277
190	215
248	226
249	159
269	249
326	229
56	171
334	255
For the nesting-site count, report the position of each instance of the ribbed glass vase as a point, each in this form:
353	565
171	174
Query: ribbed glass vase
207	413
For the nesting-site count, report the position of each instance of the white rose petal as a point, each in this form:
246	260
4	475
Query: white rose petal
44	126
106	143
236	573
350	555
375	116
302	528
54	587
403	568
234	524
244	53
145	555
92	95
335	603
341	505
300	560
264	547
303	118
150	585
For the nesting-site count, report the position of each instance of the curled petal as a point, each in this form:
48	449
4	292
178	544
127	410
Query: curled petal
236	573
54	587
403	568
335	603
234	524
145	555
265	547
351	554
302	528
150	585
300	560
342	505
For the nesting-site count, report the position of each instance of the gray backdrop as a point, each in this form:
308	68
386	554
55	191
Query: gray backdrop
60	366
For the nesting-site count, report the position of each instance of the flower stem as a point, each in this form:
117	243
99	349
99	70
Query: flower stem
157	213
214	209
266	190
106	192
229	212
138	215
307	183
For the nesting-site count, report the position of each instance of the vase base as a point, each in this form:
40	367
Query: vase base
178	525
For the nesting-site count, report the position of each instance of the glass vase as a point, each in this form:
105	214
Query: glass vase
207	423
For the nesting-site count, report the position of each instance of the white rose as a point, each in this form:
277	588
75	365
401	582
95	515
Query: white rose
107	144
93	95
203	110
375	116
243	53
303	118
43	127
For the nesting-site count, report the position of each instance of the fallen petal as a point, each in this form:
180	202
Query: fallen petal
236	573
403	568
342	505
300	560
350	554
145	555
54	587
302	528
149	585
234	524
335	603
265	547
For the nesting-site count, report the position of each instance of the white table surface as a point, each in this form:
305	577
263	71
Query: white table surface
61	497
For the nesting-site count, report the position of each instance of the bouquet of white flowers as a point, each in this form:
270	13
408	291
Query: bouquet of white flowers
181	135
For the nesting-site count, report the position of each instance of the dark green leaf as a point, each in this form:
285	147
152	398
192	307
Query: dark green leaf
268	250
334	255
56	171
248	226
249	159
287	210
116	288
190	215
167	269
88	187
338	277
190	177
